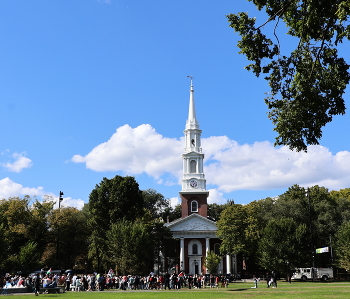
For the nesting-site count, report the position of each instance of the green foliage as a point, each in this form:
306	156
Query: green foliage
156	204
238	229
281	244
341	194
212	262
215	210
22	225
115	199
109	202
159	207
318	212
283	232
69	235
307	84
343	246
174	213
34	235
130	247
29	256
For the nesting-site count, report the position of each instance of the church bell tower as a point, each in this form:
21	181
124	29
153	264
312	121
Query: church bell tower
193	194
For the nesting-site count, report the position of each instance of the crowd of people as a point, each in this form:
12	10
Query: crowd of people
101	282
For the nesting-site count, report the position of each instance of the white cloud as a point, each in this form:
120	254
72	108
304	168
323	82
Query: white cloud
8	189
21	162
70	202
228	165
174	201
215	196
261	167
135	151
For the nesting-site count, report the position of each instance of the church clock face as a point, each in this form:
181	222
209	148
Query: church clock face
193	183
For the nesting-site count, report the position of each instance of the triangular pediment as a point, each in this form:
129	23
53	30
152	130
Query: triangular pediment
193	223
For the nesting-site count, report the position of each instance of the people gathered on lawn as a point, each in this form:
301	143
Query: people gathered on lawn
101	282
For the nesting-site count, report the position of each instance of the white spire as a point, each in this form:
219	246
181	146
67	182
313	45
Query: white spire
192	121
193	179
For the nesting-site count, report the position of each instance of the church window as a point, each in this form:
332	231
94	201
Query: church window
193	166
194	206
194	249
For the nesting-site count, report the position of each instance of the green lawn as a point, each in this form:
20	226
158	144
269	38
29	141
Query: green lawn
308	290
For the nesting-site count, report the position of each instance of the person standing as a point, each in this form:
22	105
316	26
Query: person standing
274	279
268	279
68	283
190	281
166	280
256	281
101	282
37	284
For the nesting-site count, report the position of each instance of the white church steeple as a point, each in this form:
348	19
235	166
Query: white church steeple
191	120
193	176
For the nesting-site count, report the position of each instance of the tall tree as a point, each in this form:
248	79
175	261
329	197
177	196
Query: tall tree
109	202
308	83
281	245
313	208
24	232
238	228
115	199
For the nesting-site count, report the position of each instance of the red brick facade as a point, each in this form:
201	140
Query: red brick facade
200	200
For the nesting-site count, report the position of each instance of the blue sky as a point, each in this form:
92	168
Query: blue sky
91	89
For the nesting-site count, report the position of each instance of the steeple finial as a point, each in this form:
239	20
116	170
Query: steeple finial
192	110
191	77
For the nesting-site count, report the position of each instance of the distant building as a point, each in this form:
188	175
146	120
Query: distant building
196	233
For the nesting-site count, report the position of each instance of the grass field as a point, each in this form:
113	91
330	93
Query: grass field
308	290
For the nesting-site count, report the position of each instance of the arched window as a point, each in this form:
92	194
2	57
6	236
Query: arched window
194	249
217	248
194	206
193	166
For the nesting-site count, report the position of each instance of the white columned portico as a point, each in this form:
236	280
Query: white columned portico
207	249
228	264
182	253
207	246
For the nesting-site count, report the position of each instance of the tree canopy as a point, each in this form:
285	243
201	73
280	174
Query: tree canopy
307	83
118	211
31	232
283	233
